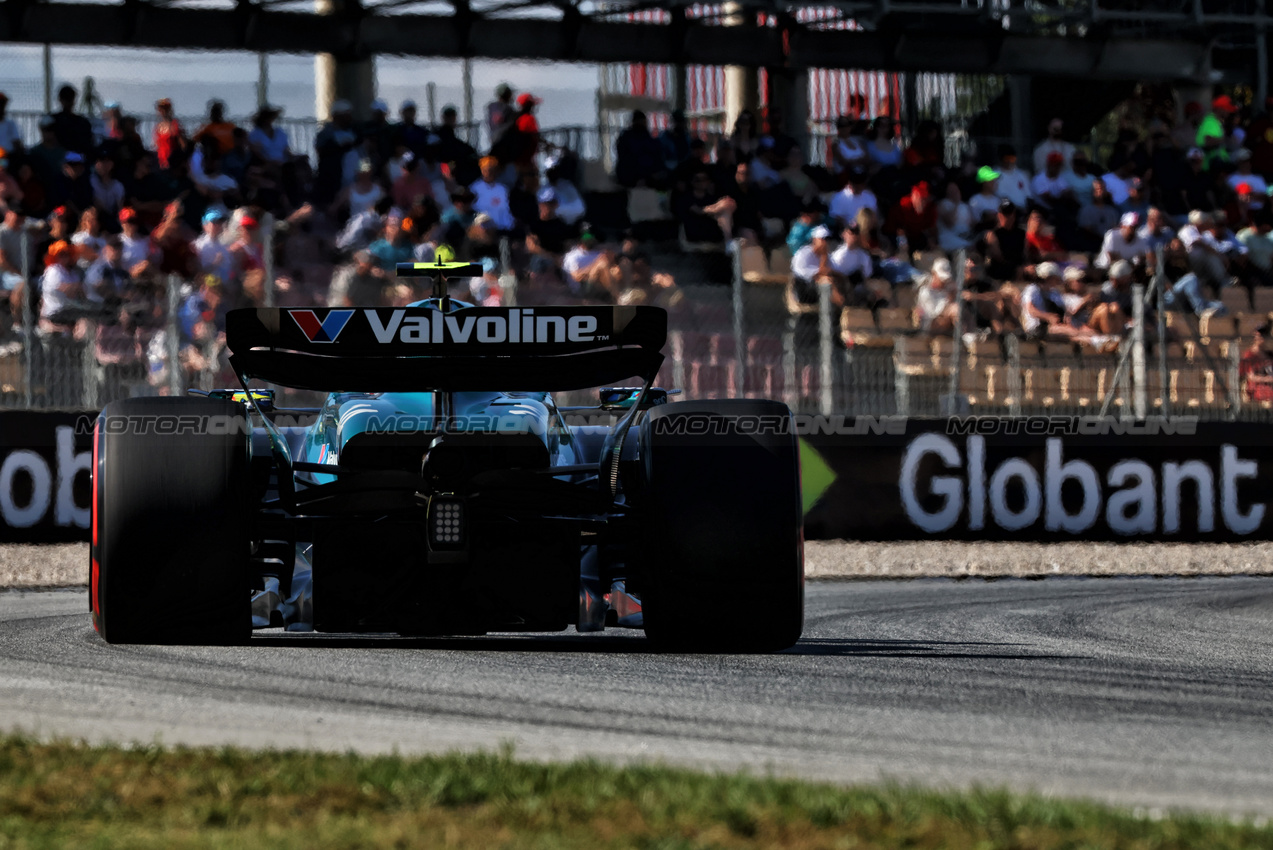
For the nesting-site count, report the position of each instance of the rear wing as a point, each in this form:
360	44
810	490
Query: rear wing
406	349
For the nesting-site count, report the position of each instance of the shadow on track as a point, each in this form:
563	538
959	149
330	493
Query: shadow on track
636	644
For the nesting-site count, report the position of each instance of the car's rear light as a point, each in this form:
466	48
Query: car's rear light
446	523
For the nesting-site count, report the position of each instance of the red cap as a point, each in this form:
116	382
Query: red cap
248	221
525	98
1055	156
1244	188
127	214
60	212
1223	104
921	189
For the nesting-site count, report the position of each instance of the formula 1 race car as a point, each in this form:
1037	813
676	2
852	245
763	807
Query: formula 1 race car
441	491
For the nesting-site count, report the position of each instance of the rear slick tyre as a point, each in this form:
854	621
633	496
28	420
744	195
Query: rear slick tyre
169	560
722	561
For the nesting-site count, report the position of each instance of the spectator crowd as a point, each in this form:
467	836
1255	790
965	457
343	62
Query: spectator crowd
1053	240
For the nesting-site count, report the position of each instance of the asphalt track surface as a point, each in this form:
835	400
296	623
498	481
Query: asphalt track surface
1145	692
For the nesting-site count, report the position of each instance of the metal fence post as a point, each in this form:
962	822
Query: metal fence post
954	399
901	378
824	334
677	345
173	334
28	326
1160	286
1235	381
267	258
1139	403
740	342
88	362
1014	375
1125	377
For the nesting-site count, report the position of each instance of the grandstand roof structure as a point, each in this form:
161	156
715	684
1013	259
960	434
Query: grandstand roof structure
1163	39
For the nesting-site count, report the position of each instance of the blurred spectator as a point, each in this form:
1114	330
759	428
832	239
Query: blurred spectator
216	128
378	137
1118	180
458	218
855	195
268	142
570	202
589	268
704	214
202	313
883	150
214	256
1005	245
954	220
11	194
525	143
491	196
1156	232
359	284
1095	220
1053	144
744	138
811	265
640	284
12	282
1259	244
853	266
500	113
985	204
73	132
848	150
639	156
1043	311
1080	179
48	154
108	193
675	141
74	188
335	142
744	222
1197	187
1256	367
392	247
87	239
107	279
59	286
10	133
1050	188
915	217
168	133
811	216
1014	182
413	185
1244	174
359	196
1124	243
407	133
1137	202
1206	255
1040	240
547	236
135	245
936	310
1211	130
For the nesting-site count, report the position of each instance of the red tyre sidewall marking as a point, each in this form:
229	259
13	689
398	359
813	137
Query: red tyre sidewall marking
95	570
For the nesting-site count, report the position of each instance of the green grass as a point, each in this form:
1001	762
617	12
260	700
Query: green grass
70	795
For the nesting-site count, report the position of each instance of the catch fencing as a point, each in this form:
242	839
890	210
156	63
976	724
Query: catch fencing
752	338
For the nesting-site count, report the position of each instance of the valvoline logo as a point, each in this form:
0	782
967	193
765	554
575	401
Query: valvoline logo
321	331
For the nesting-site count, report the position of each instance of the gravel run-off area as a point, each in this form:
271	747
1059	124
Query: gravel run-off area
66	565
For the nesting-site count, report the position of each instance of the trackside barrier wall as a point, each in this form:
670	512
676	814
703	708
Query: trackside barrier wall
888	478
